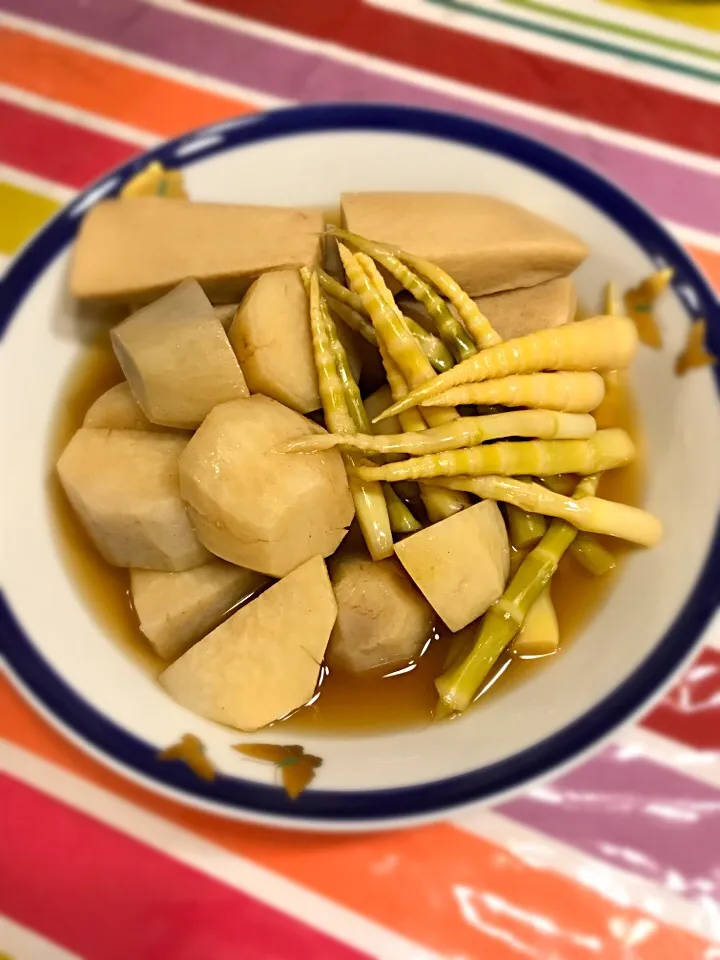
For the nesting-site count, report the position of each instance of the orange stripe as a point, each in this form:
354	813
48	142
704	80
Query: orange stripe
454	893
710	263
153	103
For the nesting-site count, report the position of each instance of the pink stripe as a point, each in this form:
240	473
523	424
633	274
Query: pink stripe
635	814
107	896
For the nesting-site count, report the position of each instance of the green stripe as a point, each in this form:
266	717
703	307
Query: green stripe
462	7
618	28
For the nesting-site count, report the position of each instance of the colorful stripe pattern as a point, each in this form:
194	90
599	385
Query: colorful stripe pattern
230	58
613	806
575	89
455	893
154	103
99	893
595	17
556	28
612	858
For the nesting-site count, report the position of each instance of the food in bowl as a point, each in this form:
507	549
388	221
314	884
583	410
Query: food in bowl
411	526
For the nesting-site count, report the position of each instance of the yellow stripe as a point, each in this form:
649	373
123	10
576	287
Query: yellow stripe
23	213
704	14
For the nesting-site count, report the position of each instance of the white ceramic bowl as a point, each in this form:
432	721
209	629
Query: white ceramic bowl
84	683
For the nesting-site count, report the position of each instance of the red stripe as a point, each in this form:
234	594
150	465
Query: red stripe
106	896
55	149
690	712
527	76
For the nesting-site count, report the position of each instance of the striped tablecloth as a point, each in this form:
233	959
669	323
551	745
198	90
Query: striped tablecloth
619	858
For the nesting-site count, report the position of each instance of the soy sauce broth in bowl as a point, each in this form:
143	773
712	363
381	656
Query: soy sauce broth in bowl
366	747
388	698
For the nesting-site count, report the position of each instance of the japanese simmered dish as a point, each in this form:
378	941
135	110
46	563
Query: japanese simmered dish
417	374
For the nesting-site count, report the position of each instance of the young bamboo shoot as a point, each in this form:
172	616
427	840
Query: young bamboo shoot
356	321
525	528
464	432
477	323
593	556
600	343
448	326
370	506
401	517
593	514
565	391
604	450
438	503
389	323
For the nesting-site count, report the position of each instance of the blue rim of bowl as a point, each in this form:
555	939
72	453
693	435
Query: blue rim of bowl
422	800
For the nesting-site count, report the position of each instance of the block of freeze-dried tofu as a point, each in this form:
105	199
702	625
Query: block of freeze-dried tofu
177	609
514	313
486	244
123	485
265	660
137	249
461	564
177	358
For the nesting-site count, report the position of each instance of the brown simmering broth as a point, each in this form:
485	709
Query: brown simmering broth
404	696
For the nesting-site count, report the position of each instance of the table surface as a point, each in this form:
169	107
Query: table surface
618	858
